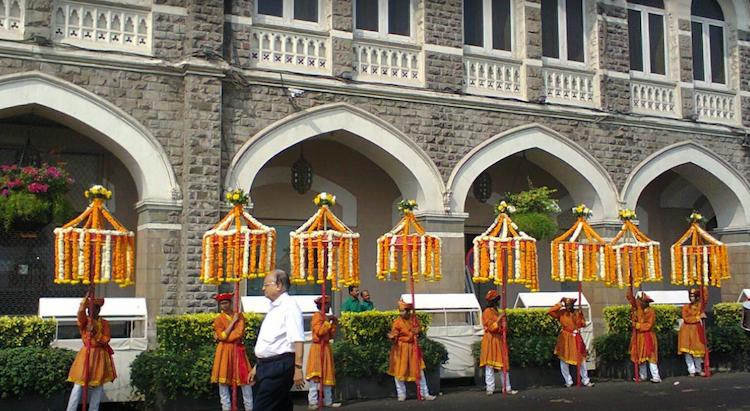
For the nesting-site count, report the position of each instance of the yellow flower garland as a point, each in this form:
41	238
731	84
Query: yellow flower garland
408	246
579	242
703	262
639	257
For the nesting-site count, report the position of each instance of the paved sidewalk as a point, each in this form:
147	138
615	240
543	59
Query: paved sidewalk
727	391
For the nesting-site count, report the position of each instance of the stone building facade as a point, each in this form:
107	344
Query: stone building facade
194	96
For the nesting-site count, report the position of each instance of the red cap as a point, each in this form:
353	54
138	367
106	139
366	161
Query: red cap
223	296
404	306
491	296
645	297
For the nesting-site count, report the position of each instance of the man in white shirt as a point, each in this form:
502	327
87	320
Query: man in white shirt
279	348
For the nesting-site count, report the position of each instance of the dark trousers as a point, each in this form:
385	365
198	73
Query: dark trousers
274	378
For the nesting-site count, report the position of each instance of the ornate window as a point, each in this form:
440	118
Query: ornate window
709	42
646	35
488	25
563	30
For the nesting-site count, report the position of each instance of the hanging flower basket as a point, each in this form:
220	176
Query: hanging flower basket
698	258
32	197
579	254
503	252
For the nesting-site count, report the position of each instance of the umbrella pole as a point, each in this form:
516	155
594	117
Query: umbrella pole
417	351
236	362
323	341
706	357
503	353
87	345
581	357
633	335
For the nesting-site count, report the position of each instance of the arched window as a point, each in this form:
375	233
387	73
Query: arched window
646	35
487	24
709	43
562	30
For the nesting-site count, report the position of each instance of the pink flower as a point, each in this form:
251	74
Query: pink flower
14	183
31	171
53	172
38	188
4	192
6	168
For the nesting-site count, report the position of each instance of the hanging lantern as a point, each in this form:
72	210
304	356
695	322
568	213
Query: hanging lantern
579	254
482	187
302	175
698	258
633	257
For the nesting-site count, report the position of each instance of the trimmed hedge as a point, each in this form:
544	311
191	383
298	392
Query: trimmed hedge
361	348
33	371
26	332
158	374
532	335
615	345
193	331
726	337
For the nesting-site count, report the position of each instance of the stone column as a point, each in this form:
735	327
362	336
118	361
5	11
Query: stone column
614	56
157	258
679	33
744	72
531	49
342	26
450	229
738	249
37	19
442	37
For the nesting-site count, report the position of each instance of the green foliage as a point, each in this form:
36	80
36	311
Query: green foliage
193	331
23	207
371	326
612	347
726	336
166	374
26	332
617	318
538	225
727	314
33	371
363	350
534	200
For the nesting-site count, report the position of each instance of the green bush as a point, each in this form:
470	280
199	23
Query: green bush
615	345
26	332
617	318
362	348
372	326
726	336
33	371
538	225
532	335
193	331
158	374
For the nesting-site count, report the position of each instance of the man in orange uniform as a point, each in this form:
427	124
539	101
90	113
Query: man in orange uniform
230	361
323	330
570	348
493	356
101	368
643	346
691	339
402	364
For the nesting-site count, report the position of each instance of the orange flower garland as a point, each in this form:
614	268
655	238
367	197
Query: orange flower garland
502	252
418	252
324	249
579	254
698	258
632	255
238	247
113	256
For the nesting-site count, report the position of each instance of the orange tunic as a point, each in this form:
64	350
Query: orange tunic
402	363
322	331
570	346
101	366
691	338
228	349
643	345
493	352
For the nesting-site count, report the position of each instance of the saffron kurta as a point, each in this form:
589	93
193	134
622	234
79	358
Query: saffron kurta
322	331
228	349
691	338
493	352
101	366
402	362
643	345
570	346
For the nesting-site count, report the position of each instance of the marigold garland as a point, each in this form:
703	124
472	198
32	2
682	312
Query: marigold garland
113	257
579	254
503	252
632	255
698	258
407	243
238	247
339	264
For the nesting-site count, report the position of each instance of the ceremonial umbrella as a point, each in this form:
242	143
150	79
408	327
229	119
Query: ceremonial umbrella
633	258
419	255
94	248
238	247
503	254
324	249
579	254
699	259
